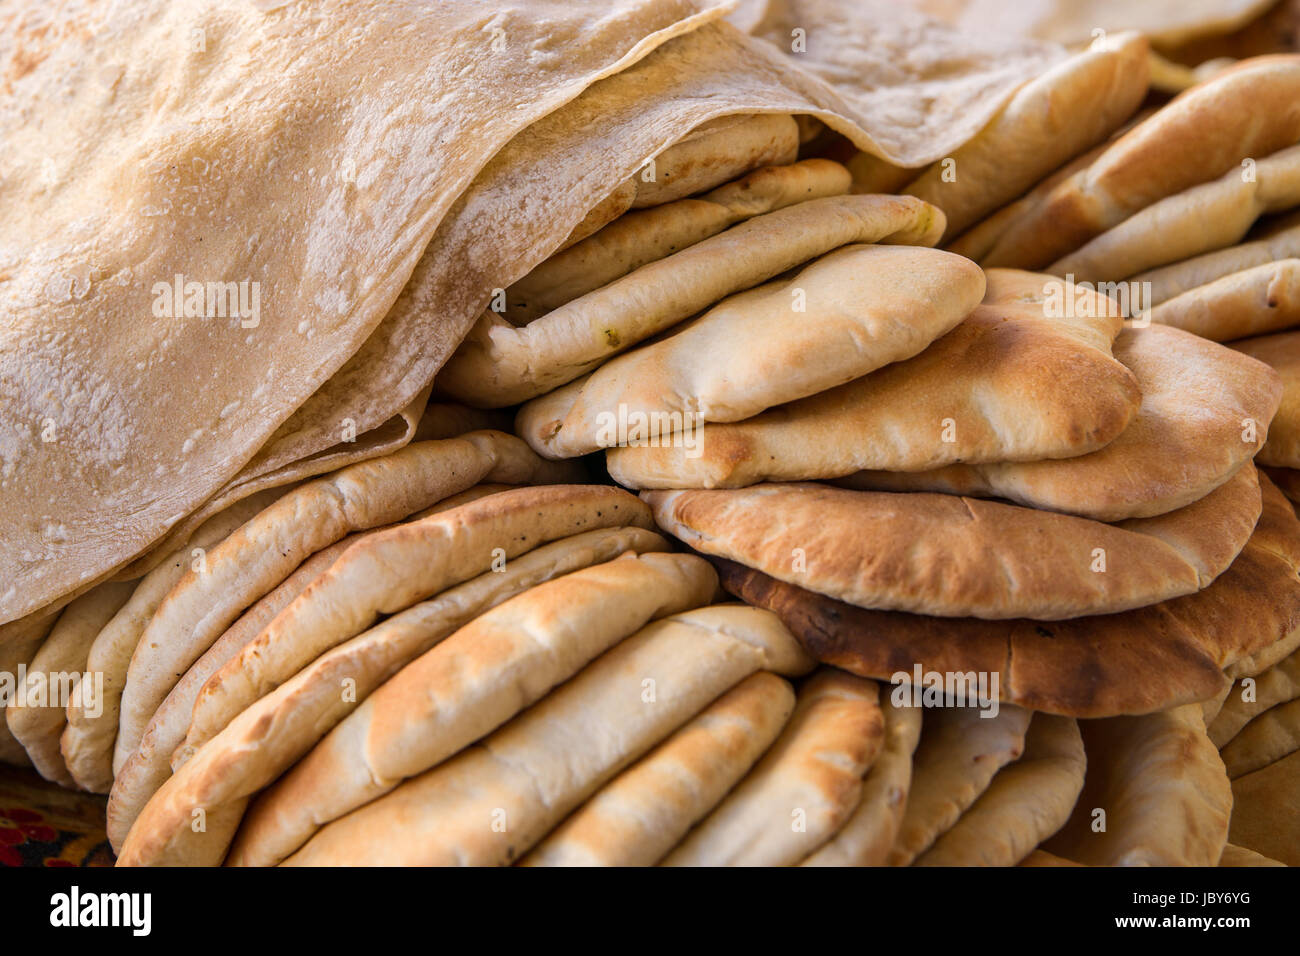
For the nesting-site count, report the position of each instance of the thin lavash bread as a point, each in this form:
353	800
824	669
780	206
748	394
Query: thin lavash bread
1282	353
499	364
963	557
1009	383
643	236
868	835
1155	794
1198	136
1250	697
640	815
961	750
519	645
1266	810
1048	122
530	774
1026	802
1205	412
1088	667
387	572
1255	301
843	315
804	789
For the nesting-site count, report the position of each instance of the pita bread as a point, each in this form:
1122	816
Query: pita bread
1161	784
57	672
87	742
1197	137
1198	220
146	768
646	810
1282	353
649	235
1266	739
1173	78
868	835
1277	685
871	174
499	364
1049	121
1287	479
866	306
1253	302
1210	707
22	639
1169	282
527	776
932	554
266	739
262	553
114	481
960	751
804	789
717	152
1136	662
1043	858
1025	803
1266	811
1190	436
1007	384
1240	856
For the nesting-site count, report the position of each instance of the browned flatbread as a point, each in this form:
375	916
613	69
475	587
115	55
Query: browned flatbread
1266	810
1282	352
1131	663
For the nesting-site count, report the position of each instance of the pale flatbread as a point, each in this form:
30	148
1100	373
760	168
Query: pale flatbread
957	557
1277	685
844	315
1161	786
645	811
1007	384
1266	811
22	639
1255	301
804	789
1173	280
1266	739
1204	414
868	835
1282	353
960	752
526	777
499	364
1025	803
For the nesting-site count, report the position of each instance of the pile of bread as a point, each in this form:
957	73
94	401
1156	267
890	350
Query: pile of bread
713	509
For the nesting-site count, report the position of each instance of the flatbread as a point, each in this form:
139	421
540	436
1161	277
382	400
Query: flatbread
265	740
844	315
1266	811
1201	219
961	750
1007	384
1266	739
647	235
868	835
1173	280
1025	803
1136	662
1255	301
644	812
1282	353
1199	136
958	557
22	639
1161	784
527	776
1277	685
1234	855
499	364
1043	858
1049	121
1204	415
804	789
58	668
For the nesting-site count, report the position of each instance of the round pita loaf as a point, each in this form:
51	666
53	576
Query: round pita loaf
1266	810
1266	739
1007	384
495	800
1279	684
21	640
1025	803
1282	353
1161	784
645	811
804	789
957	557
1171	281
500	365
1130	663
1204	414
1252	302
844	315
